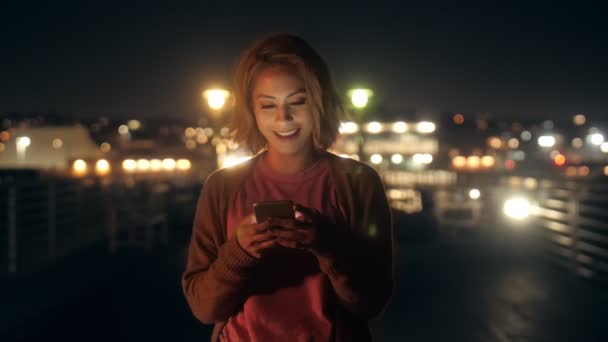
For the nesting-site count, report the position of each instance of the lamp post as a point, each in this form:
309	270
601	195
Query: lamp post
217	99
22	143
359	98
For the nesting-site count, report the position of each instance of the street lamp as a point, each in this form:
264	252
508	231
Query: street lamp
359	98
216	98
22	145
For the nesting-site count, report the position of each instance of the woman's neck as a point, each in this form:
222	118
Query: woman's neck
291	164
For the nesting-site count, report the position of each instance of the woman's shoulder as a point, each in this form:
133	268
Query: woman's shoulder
351	167
230	175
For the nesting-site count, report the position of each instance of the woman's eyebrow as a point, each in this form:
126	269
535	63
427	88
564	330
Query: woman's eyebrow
292	94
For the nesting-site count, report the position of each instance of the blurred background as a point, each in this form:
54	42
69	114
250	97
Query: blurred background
486	125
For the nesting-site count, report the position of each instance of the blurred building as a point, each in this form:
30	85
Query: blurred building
47	148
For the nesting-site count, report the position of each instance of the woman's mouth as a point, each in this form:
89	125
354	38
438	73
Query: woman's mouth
287	134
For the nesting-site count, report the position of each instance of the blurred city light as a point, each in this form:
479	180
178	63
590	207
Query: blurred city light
360	97
80	167
156	165
517	208
348	128
376	159
397	158
596	139
526	136
577	143
422	158
183	164
168	164
604	147
129	165
546	141
513	143
134	125
216	98
579	119
23	143
190	144
583	171
488	161
530	183
459	162
189	132
519	155
374	127
123	129
425	127
5	136
474	194
495	143
559	160
458	119
400	127
473	162
102	167
105	147
57	143
143	165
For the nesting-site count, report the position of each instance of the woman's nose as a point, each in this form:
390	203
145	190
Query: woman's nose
283	113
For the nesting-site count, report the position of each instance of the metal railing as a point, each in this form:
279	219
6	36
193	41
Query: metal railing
43	221
571	223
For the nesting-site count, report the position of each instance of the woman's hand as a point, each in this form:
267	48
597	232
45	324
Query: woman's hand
254	238
306	231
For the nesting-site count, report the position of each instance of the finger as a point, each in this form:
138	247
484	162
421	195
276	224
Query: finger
258	238
249	219
286	234
303	213
260	227
280	222
288	243
266	244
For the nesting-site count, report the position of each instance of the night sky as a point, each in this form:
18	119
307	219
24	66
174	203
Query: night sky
144	61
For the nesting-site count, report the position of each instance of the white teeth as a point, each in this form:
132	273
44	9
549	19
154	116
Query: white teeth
286	134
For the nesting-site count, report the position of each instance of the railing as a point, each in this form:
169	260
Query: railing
43	221
571	222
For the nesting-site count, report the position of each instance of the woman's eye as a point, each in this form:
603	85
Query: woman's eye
299	102
267	106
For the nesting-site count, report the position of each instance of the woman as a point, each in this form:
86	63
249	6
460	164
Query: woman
321	275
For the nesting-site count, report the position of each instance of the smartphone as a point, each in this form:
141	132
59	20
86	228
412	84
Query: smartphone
277	209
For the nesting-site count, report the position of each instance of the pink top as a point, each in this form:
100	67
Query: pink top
292	300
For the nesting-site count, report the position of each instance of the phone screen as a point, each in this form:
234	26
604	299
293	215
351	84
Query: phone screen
278	209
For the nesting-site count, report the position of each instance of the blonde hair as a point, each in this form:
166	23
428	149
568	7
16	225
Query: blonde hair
294	52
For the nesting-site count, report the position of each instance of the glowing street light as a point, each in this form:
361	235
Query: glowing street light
546	141
425	127
22	145
216	98
102	167
596	139
360	97
374	127
348	128
400	127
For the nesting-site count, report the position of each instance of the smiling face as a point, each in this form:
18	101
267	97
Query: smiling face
282	111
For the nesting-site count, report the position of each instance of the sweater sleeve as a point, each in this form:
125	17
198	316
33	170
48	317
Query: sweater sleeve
360	266
217	268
